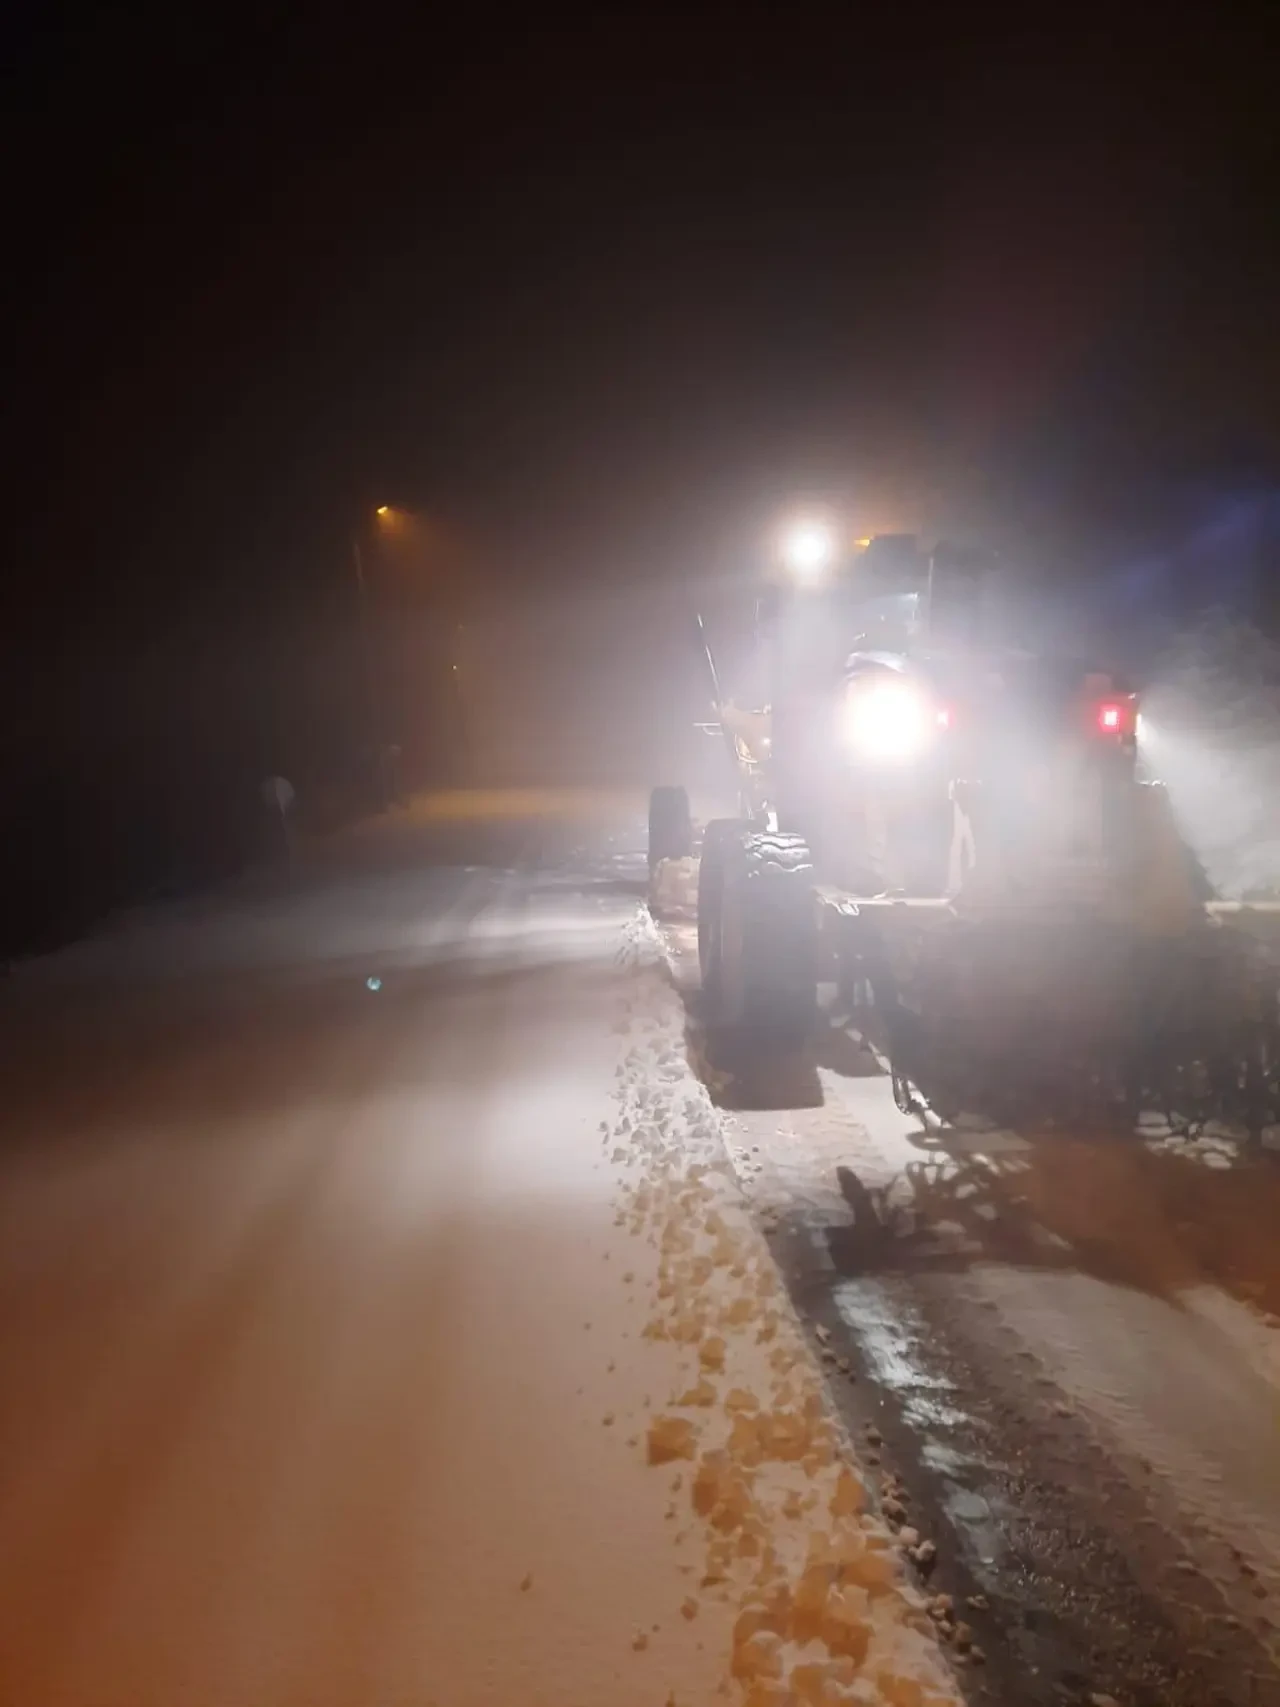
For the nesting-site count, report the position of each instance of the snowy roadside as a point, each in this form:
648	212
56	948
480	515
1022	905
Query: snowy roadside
769	1507
1023	1304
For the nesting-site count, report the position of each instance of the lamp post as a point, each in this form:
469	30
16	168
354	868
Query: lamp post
372	720
408	547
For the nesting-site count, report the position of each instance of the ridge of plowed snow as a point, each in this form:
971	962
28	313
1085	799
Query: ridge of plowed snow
766	1498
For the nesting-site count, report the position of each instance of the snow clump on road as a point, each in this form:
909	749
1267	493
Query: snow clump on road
763	1482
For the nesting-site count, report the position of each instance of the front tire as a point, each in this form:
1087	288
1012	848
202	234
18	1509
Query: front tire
717	840
765	953
670	826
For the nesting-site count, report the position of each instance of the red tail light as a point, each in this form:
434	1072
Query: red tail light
1117	717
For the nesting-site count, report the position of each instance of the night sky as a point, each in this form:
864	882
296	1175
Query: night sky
604	292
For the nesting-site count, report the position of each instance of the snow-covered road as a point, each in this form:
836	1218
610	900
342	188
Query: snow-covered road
380	1321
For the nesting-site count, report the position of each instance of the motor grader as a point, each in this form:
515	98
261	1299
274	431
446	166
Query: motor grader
960	842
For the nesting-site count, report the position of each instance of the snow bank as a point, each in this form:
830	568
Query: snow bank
764	1490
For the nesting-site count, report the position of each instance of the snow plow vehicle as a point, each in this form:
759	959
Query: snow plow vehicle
961	840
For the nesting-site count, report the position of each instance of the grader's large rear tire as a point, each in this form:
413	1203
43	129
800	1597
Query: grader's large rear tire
758	936
670	826
719	836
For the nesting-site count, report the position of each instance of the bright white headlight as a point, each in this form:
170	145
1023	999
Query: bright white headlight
887	721
807	550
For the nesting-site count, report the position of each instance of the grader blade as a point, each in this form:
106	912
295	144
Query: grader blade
1052	994
1061	1018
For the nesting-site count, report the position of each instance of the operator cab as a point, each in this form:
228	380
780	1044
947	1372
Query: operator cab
914	597
890	595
